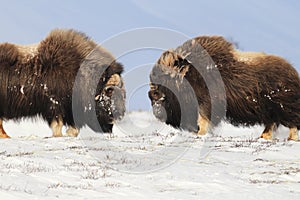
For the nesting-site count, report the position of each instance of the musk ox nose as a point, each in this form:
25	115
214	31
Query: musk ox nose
118	114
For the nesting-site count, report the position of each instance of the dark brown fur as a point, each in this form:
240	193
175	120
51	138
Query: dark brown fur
42	83
264	89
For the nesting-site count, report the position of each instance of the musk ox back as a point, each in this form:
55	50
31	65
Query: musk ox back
258	88
67	79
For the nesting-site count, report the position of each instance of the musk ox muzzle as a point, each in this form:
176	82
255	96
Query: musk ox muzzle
158	104
111	103
159	111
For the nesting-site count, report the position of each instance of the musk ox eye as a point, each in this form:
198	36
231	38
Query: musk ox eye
109	91
156	95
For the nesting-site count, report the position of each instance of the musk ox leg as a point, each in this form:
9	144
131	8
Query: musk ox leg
3	134
203	124
293	134
56	126
72	131
268	132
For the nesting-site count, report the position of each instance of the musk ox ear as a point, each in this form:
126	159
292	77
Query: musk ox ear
8	54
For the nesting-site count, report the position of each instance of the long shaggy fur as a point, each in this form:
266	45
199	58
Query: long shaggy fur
39	79
259	88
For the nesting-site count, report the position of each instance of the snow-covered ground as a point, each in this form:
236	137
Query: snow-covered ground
145	159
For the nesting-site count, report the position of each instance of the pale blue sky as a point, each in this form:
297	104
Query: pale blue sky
272	26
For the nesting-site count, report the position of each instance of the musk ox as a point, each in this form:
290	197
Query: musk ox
67	79
251	88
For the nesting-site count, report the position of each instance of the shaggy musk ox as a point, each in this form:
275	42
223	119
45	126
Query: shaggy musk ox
67	79
244	88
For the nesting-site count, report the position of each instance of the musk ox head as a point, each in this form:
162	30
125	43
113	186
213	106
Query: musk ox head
172	96
110	97
189	80
98	93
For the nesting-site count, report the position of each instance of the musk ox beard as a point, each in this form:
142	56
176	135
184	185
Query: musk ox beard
257	88
67	79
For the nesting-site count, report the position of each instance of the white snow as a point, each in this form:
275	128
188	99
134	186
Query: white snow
22	89
53	100
146	159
